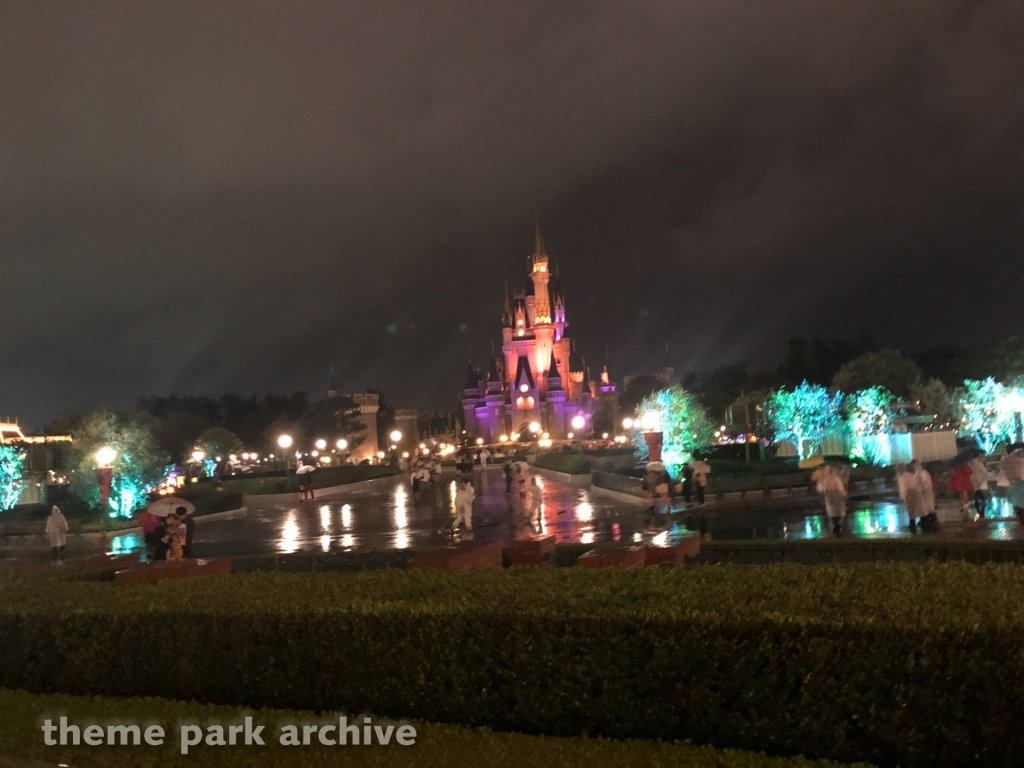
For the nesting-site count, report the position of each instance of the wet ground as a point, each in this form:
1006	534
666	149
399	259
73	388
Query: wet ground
391	516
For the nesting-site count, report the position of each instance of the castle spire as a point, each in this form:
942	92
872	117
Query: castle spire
508	307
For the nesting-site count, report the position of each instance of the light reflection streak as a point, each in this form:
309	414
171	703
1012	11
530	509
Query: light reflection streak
289	533
346	515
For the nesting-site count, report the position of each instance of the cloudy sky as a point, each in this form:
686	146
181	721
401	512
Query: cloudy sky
211	196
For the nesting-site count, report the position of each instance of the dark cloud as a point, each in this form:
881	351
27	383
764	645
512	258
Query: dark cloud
211	196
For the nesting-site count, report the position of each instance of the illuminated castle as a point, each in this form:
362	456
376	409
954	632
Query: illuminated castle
533	383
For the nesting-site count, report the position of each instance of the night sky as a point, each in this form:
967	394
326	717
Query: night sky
216	196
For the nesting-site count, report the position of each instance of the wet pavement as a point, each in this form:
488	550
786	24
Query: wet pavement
390	516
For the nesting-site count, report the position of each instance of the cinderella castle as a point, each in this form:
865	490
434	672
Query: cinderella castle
532	388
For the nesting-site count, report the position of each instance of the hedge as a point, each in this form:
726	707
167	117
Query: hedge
443	746
916	664
324	477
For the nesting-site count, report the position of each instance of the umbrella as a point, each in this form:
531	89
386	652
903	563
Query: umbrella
304	469
522	466
965	457
655	466
169	505
700	466
812	461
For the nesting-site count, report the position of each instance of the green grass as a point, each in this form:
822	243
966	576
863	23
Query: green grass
440	746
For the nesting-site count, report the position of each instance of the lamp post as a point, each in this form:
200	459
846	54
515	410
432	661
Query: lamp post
284	442
652	435
105	473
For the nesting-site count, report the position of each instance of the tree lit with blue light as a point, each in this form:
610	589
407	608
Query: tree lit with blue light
804	416
12	466
683	422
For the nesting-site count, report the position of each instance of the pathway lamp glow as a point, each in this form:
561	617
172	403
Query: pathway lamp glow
342	445
479	441
396	436
535	427
284	441
503	439
578	422
627	423
198	455
321	444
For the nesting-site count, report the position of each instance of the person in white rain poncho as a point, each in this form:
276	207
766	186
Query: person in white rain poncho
910	492
831	486
534	501
464	496
924	481
57	530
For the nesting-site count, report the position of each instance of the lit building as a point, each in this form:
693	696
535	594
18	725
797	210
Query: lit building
533	382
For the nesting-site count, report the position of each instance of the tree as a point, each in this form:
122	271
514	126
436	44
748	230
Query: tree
681	419
869	417
333	419
12	465
639	387
177	433
139	463
804	415
219	442
885	368
933	398
987	411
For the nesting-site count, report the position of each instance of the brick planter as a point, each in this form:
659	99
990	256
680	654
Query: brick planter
612	557
688	547
536	551
177	569
467	556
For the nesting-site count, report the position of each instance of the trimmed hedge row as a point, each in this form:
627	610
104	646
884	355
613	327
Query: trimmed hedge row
443	746
916	664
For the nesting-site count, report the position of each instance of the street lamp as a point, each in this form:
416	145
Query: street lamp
578	422
321	444
479	441
535	427
627	423
198	455
285	442
105	473
342	445
396	436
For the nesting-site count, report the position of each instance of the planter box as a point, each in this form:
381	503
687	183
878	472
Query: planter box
178	569
688	547
467	556
536	551
612	557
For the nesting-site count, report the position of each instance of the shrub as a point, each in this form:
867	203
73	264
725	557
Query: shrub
917	664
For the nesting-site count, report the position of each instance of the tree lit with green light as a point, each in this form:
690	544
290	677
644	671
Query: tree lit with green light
804	416
683	422
869	416
989	412
12	466
138	464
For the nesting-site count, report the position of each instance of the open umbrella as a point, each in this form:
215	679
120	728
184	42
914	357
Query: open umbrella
812	461
964	457
304	469
700	466
655	466
167	505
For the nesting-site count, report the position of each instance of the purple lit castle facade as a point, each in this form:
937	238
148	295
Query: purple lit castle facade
533	383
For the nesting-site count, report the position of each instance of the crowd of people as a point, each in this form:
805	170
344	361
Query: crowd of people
168	538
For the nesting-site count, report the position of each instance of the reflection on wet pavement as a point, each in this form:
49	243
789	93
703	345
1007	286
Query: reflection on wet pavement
392	516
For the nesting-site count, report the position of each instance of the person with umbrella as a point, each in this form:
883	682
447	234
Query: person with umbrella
701	470
162	509
1012	468
961	481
